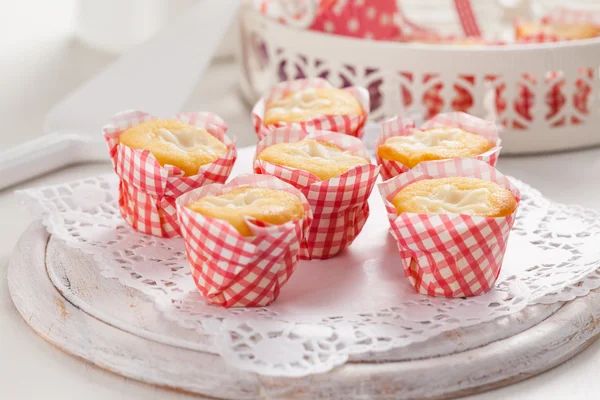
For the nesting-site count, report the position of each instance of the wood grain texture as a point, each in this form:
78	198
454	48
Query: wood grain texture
118	329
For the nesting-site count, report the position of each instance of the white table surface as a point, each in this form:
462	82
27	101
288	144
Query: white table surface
31	368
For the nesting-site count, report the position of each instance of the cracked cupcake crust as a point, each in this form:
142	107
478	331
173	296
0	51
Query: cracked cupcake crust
433	144
455	195
323	159
268	205
175	143
306	104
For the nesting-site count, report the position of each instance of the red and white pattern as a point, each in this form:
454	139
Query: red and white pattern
236	271
467	18
449	255
340	207
352	125
147	190
405	127
369	19
461	99
554	98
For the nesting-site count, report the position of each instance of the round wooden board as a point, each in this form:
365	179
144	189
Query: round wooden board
62	296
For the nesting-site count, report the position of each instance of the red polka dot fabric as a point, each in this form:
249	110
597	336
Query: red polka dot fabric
369	19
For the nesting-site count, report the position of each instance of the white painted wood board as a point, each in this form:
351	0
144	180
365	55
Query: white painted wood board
62	296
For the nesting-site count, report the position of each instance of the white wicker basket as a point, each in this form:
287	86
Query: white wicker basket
550	92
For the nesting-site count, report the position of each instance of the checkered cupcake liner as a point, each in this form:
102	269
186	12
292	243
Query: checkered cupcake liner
352	125
229	269
339	205
147	190
404	127
449	255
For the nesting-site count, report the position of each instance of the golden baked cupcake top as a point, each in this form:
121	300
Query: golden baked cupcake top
433	144
323	159
264	204
312	102
568	30
455	195
175	143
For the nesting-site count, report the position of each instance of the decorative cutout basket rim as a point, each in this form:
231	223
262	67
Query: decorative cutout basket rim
545	95
434	47
550	52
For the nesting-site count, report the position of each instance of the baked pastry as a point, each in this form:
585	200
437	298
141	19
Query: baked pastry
569	31
451	231
175	143
309	103
323	159
272	206
311	163
433	144
455	195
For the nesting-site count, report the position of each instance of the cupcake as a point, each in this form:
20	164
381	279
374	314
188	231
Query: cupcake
401	146
173	142
242	239
323	159
455	195
270	206
451	220
530	31
333	171
312	104
158	160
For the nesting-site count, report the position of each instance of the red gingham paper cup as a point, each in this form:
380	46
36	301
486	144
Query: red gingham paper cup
147	190
236	271
449	255
339	205
404	127
352	125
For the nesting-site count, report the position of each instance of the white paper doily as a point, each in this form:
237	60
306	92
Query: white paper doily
358	302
